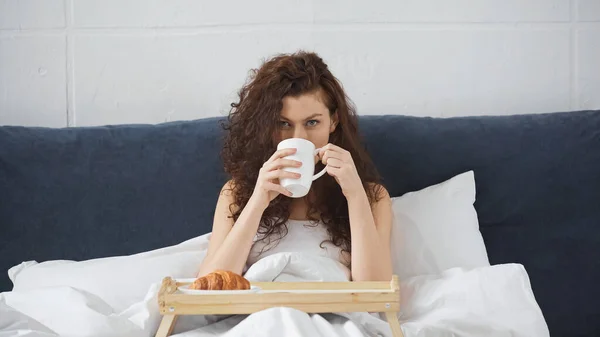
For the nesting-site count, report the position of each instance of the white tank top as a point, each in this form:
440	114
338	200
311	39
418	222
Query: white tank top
302	236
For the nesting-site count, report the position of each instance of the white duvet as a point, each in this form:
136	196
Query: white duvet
486	301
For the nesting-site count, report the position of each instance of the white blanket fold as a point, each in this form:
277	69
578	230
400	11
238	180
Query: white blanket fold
487	301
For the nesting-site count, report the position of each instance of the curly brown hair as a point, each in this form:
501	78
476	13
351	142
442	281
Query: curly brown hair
253	122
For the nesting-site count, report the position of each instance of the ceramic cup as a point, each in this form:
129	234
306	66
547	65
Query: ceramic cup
305	153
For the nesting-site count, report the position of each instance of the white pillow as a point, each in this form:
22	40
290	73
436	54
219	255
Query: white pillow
436	228
120	281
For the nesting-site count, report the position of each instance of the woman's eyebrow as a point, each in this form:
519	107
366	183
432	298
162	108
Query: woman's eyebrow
307	118
313	116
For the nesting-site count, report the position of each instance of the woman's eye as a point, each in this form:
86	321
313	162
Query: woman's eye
284	124
312	122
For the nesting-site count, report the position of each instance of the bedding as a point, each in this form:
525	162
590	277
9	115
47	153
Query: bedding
436	228
483	301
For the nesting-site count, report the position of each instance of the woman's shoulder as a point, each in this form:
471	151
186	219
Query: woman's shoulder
379	192
227	188
226	195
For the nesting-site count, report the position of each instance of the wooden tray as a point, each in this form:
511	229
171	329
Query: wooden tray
310	297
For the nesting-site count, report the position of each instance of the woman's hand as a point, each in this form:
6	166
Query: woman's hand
340	165
267	185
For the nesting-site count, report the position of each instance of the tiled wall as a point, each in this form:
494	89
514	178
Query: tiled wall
93	62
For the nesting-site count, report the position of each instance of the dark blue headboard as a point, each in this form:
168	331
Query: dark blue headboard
82	193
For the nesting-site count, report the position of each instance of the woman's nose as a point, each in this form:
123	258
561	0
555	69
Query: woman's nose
300	133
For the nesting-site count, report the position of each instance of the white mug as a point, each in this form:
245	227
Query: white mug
305	153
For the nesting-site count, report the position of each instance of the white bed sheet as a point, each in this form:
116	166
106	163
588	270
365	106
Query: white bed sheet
485	301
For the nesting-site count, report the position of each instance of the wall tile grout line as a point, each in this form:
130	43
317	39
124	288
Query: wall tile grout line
70	62
308	28
305	25
574	55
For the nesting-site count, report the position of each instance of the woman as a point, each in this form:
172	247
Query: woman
297	96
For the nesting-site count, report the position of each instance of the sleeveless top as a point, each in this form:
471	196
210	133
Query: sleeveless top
302	236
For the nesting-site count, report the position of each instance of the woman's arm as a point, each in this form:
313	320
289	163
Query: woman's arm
230	245
370	225
370	228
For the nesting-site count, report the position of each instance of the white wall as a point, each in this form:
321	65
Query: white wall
93	62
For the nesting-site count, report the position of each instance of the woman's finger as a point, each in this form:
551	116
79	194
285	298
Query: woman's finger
334	148
330	154
334	162
332	171
277	188
280	153
280	163
278	174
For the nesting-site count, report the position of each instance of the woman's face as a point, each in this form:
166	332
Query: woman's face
306	117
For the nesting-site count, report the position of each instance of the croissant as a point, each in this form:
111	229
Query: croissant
221	280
